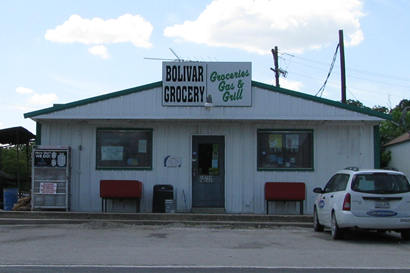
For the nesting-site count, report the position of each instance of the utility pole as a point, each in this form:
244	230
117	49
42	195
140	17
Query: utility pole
277	70
342	65
276	63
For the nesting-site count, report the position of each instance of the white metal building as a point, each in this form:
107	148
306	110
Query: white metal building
214	155
400	151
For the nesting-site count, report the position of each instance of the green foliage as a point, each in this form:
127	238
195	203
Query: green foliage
381	109
355	103
400	122
10	165
385	158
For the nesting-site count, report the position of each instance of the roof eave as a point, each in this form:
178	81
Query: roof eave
59	107
362	110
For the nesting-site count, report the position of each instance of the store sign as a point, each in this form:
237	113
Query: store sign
214	83
50	158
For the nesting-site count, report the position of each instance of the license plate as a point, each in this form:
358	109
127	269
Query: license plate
382	205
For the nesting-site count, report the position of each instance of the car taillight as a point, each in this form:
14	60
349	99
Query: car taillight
346	202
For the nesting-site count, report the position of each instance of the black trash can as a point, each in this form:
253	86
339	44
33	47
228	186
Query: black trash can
161	193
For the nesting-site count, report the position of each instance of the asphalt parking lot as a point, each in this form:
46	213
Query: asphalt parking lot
173	245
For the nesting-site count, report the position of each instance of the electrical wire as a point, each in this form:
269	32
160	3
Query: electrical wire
354	72
299	62
321	89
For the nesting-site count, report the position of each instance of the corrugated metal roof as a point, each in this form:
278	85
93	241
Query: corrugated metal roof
59	107
15	135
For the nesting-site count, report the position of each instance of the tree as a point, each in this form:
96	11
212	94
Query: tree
381	109
399	124
356	103
10	165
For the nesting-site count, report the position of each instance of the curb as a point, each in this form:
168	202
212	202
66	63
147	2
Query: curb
230	224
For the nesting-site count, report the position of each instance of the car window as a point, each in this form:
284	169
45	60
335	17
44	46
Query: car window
330	185
337	183
341	182
381	183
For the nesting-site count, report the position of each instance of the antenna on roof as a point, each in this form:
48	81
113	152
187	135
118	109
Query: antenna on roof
173	52
178	59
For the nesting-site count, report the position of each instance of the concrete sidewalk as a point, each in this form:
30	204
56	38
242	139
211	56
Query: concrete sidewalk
189	219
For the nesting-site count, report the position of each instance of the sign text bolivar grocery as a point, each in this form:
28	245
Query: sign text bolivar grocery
189	83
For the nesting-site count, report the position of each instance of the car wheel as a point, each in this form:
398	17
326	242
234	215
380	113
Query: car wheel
336	232
405	234
316	225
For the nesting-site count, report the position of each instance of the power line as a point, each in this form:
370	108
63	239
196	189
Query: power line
321	89
355	75
308	62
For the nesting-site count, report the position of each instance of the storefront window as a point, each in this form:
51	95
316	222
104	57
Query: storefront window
124	148
285	149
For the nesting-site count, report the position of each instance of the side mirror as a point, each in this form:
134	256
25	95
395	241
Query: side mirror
317	190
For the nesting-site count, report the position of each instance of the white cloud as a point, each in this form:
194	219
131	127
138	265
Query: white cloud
43	99
100	51
21	108
34	98
126	28
24	90
257	26
292	85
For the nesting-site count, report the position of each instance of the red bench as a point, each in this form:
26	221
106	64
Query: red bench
112	189
285	191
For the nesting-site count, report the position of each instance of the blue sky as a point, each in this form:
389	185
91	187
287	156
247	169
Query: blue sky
63	51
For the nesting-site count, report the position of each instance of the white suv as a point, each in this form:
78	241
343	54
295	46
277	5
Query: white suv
363	199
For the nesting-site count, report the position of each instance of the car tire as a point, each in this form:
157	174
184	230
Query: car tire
335	231
405	234
316	225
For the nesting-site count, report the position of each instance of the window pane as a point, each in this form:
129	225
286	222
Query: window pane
380	183
341	182
285	149
208	160
330	185
124	148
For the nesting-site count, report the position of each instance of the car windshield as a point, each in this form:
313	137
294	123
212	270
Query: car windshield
380	183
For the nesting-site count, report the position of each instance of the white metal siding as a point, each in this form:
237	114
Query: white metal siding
400	154
336	145
267	105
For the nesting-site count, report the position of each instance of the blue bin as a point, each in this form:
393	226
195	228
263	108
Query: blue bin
9	198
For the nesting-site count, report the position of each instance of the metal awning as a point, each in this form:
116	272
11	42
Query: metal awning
16	135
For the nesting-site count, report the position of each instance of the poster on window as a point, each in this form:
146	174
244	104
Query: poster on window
292	142
112	152
142	146
275	142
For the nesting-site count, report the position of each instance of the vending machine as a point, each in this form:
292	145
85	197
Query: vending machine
50	187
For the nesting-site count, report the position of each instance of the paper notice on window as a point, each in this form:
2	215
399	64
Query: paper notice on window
142	146
275	141
214	163
292	141
48	188
112	152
